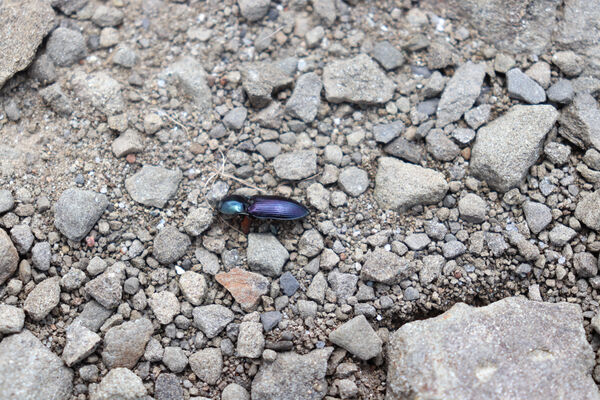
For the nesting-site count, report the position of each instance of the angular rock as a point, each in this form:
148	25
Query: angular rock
577	29
262	80
440	146
265	254
81	342
296	165
107	288
404	150
77	211
153	186
357	80
588	210
129	142
385	133
306	98
193	286
9	257
235	118
93	316
358	337
460	93
472	208
29	370
23	26
66	46
384	267
100	90
107	16
387	55
250	341
233	391
536	349
43	298
119	383
399	185
22	238
54	97
580	122
292	376
212	319
585	265
342	284
170	245
207	364
11	319
125	344
506	147
189	75
561	235
537	215
522	87
167	387
245	287
165	306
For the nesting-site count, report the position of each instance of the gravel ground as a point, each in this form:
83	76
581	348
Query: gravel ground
450	158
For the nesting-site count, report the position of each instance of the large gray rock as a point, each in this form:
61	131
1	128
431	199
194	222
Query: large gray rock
358	337
125	344
532	350
265	254
296	165
460	93
580	122
189	75
506	147
9	257
588	210
261	80
23	26
357	80
77	211
43	298
306	97
100	90
514	26
578	29
522	87
292	376
66	46
399	185
170	245
120	383
30	371
153	186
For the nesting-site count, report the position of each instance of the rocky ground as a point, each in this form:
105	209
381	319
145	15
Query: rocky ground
449	153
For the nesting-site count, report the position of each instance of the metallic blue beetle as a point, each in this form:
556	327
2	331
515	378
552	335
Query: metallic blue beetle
263	207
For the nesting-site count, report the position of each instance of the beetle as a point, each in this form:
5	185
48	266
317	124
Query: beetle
263	207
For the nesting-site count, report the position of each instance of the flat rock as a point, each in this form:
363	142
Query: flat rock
296	165
11	319
266	254
245	287
399	185
460	93
358	337
522	87
107	288
168	387
580	122
577	29
537	215
261	80
189	75
153	186
384	267
29	370
43	298
77	211
81	342
207	364
23	26
357	80
354	181
306	98
9	257
193	287
125	344
506	147
129	142
212	319
250	341
533	349
292	376
119	383
100	90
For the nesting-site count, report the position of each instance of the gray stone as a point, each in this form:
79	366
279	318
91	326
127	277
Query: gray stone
165	306
431	269
261	80
96	266
588	210
107	16
384	267
463	135
250	341
107	288
189	75
342	284
254	10
193	287
40	256
69	7
93	316
296	165
585	265
472	208
358	337
81	342
417	241
513	343
212	319
233	391
77	211
411	294
503	63
307	308
440	146
11	319
170	245
119	383
306	98
318	196
100	90
6	201
198	220
316	289
129	142
54	97
288	283
540	72
357	80
580	122
434	85
23	26
568	62
592	159
271	116
207	364
73	279
354	181
399	185
460	93
174	358
561	235
557	153
311	243
125	344
405	150
453	249
522	87
66	46
265	254
22	238
478	116
167	387
42	299
124	56
43	70
537	215
506	147
270	320
235	118
314	37
29	370
269	150
387	55
385	133
153	186
274	380
577	29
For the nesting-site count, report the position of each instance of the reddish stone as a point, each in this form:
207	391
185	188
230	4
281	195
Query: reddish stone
245	287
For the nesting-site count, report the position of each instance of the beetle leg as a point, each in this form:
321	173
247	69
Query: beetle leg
245	224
